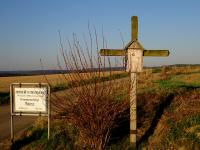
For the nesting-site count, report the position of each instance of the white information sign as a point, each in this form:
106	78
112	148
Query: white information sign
30	99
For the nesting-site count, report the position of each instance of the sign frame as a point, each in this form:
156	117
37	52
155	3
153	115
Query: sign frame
45	113
29	85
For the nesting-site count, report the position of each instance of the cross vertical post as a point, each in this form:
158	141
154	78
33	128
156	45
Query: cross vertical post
133	110
135	64
134	52
134	24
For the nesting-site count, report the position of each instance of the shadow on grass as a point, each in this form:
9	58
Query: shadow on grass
122	128
159	112
123	122
190	86
26	140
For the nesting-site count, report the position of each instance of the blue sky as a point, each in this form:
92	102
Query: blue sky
29	28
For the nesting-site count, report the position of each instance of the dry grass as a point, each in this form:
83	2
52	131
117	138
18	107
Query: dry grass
185	69
191	78
183	107
54	79
6	81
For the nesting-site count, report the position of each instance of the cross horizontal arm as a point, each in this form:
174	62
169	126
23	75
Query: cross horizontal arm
121	52
159	53
112	52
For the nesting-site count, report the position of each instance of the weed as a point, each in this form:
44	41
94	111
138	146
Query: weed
4	97
182	130
156	70
36	134
122	144
36	137
172	84
59	87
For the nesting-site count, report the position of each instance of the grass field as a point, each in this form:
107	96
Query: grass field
57	81
54	79
168	116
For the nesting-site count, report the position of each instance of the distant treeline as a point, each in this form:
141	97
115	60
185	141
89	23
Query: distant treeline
47	72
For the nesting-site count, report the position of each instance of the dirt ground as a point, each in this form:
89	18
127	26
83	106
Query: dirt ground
20	123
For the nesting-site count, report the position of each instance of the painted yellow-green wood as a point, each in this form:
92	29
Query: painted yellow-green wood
134	28
121	52
159	53
112	52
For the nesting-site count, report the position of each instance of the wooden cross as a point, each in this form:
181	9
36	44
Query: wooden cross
134	52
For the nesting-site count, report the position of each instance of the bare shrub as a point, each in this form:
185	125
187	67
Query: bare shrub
93	104
164	73
174	70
